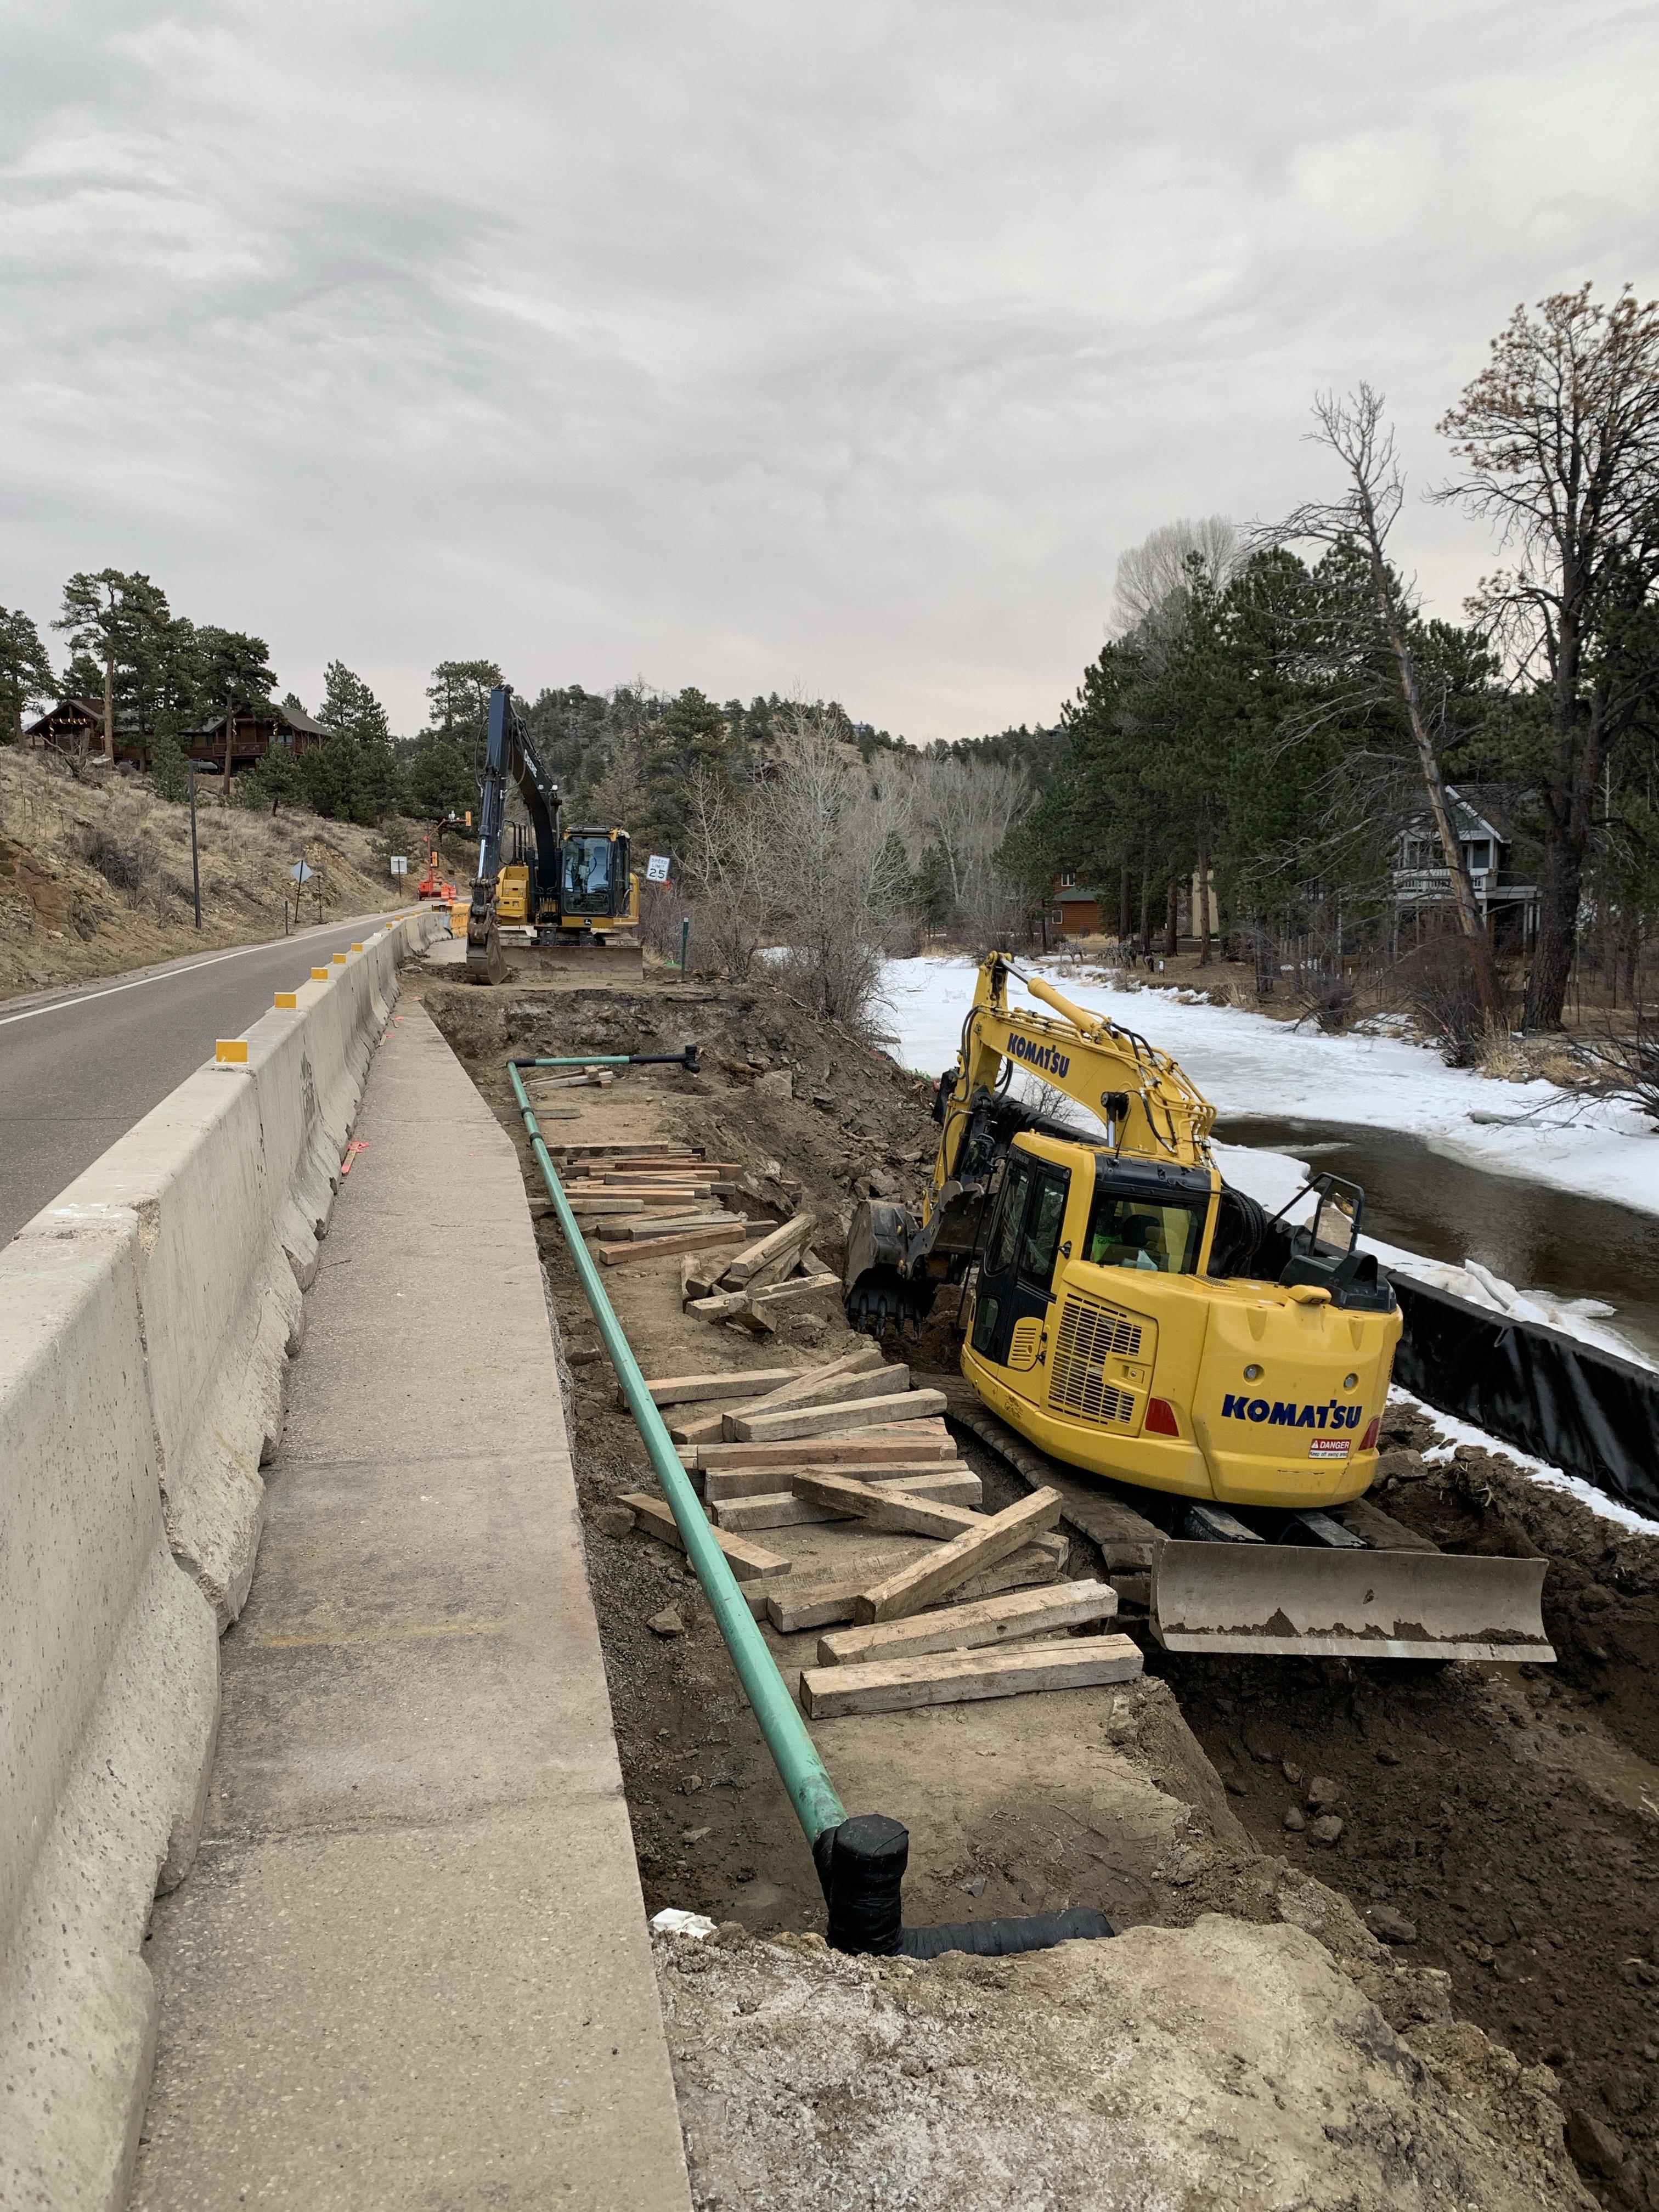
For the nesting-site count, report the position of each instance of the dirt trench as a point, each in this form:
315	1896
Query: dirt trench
1498	1826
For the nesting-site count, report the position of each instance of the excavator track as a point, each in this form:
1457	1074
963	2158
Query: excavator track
1366	1588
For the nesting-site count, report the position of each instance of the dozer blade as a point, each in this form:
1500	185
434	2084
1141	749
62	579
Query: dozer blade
601	963
1281	1600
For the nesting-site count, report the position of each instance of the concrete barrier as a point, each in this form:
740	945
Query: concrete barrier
147	1318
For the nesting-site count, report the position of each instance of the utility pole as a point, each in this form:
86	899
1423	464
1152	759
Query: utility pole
195	860
230	725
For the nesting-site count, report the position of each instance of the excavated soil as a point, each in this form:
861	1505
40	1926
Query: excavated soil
1498	1825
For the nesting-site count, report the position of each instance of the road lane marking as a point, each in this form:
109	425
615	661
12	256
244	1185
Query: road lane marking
169	976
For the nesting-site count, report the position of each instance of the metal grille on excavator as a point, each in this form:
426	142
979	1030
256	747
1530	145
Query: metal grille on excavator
1089	1333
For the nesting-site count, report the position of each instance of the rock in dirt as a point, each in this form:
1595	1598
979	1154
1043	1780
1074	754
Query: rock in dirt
1295	1820
1593	2142
612	1519
1225	2063
1325	1831
668	1622
1391	1926
1323	1793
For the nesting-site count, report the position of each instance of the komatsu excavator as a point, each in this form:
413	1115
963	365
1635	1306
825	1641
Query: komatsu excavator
574	893
1135	1318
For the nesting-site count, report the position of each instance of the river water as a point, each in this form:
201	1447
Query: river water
1536	1237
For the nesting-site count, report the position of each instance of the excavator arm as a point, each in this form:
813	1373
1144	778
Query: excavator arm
509	756
1144	1103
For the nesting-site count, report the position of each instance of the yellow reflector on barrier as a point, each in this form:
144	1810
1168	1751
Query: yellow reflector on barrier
340	959
231	1052
356	948
288	1000
320	975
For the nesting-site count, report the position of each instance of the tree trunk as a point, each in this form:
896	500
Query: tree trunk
1146	898
1123	916
109	703
1568	807
1172	920
1203	895
1470	920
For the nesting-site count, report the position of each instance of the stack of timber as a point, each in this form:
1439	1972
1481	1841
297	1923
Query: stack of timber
981	1613
643	1204
776	1269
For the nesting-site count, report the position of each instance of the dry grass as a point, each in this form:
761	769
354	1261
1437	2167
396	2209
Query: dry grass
96	875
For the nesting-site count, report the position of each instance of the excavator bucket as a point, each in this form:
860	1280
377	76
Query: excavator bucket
486	962
1281	1600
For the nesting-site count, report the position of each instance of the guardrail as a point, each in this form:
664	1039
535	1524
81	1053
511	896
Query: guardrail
145	1320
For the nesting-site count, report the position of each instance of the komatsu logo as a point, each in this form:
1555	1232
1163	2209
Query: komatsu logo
1278	1414
1039	1056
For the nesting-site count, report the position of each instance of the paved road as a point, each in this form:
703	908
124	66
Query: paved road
79	1067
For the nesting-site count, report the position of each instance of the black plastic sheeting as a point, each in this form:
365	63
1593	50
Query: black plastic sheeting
1584	1412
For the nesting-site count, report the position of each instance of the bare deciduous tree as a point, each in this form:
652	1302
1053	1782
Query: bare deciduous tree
729	872
829	854
1353	429
1153	577
964	809
1560	432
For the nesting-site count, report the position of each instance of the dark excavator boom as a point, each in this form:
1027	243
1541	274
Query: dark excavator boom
510	754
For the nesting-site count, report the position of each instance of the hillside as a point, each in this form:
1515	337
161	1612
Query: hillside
96	875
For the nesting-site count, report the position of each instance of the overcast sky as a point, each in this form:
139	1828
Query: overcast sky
838	348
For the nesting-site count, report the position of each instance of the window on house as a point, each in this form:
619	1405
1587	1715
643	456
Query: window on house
1479	853
1067	882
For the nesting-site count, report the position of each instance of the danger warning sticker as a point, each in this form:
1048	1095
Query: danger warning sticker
1329	1448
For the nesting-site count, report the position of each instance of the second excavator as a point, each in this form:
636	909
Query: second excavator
573	892
1139	1321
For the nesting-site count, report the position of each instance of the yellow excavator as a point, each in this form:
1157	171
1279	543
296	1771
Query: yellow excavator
573	892
1221	1372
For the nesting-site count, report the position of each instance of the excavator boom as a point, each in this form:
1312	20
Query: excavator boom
1136	1319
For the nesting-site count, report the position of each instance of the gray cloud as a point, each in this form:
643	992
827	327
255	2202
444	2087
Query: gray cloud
753	344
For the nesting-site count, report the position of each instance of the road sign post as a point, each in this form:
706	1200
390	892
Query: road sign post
195	859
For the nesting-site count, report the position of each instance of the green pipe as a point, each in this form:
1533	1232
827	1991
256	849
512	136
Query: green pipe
794	1753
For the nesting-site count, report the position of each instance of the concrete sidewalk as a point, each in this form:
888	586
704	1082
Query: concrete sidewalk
411	1967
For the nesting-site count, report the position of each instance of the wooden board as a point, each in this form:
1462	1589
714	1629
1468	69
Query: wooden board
721	1482
697	1389
750	1563
676	1225
932	1578
774	1396
828	1451
838	1419
700	1426
798	1287
858	1375
698	1276
951	1678
654	1248
788	1509
792	1608
839	1390
900	1509
988	1620
788	1238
